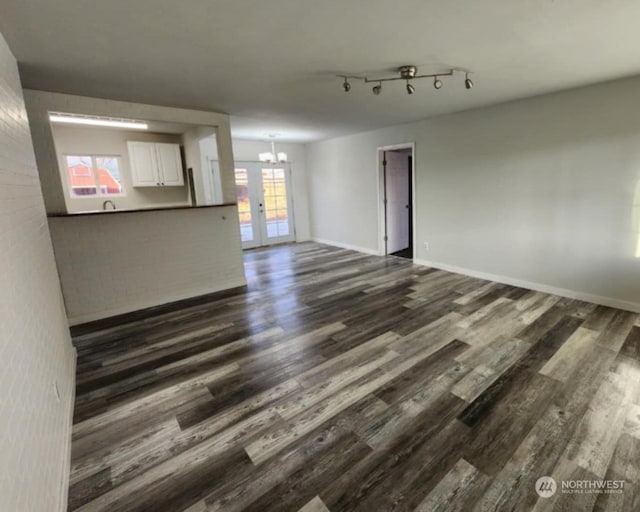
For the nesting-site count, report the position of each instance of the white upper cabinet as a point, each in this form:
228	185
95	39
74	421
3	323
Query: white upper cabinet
144	165
155	164
170	164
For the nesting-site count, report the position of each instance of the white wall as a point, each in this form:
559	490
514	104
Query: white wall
248	150
114	263
539	192
36	354
113	142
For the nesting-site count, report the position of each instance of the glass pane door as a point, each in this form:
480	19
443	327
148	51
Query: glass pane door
264	203
276	207
243	191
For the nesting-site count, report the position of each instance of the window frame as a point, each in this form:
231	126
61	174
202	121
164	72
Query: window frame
93	157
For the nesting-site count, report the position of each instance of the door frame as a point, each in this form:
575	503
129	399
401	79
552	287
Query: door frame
381	194
257	222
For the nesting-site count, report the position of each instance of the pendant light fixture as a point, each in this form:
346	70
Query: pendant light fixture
272	157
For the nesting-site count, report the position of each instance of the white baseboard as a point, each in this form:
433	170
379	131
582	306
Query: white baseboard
563	292
346	246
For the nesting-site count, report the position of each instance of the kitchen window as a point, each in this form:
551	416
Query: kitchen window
92	175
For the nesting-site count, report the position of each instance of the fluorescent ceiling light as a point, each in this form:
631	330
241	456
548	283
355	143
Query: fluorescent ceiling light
98	121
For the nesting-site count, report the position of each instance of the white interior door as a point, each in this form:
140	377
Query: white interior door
397	196
264	203
213	182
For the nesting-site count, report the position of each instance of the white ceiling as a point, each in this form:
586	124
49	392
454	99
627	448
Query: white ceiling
271	64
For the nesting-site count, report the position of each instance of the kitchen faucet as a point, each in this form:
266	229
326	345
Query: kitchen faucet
109	201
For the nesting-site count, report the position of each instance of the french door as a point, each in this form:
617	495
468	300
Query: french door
264	203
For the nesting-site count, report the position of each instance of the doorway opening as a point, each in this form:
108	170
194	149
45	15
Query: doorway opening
396	185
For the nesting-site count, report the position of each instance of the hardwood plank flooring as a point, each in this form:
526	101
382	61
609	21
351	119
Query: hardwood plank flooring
338	381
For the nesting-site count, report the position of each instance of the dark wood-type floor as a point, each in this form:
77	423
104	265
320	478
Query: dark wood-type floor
341	381
404	253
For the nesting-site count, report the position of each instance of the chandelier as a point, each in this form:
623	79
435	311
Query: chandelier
272	157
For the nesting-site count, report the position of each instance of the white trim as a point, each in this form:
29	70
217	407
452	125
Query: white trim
66	460
563	292
381	233
345	246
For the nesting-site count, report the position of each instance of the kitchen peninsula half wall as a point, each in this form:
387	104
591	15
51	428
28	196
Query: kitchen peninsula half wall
136	218
111	263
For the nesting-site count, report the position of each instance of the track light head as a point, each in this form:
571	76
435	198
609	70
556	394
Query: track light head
410	88
346	85
377	89
437	83
467	81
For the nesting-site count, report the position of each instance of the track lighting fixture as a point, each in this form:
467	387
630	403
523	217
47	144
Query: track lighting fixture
467	81
406	73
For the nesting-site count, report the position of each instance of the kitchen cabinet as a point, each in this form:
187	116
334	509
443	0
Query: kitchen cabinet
155	164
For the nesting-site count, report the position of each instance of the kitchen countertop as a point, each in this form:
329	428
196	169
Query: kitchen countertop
156	209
